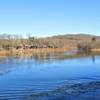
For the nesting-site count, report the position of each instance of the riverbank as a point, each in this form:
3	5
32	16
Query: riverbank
32	52
4	53
45	52
95	50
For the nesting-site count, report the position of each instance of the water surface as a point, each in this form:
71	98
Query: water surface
22	77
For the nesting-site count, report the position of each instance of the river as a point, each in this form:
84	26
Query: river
59	77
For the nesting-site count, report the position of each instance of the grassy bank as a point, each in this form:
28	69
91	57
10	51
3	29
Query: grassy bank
4	53
32	52
43	52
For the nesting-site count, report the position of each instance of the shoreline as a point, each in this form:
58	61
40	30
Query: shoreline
29	52
43	52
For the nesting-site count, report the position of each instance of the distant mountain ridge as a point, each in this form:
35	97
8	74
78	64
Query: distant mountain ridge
74	35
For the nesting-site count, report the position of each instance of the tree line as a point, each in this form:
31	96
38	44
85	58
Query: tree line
8	41
17	41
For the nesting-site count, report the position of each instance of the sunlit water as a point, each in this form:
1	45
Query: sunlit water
21	77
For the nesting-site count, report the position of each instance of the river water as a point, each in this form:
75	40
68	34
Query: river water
27	78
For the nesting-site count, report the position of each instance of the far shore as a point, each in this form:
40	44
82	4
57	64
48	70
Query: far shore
31	46
29	52
38	51
95	50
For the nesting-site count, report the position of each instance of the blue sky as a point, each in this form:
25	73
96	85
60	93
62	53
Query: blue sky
49	17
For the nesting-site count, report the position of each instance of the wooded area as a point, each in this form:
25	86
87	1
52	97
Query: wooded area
80	41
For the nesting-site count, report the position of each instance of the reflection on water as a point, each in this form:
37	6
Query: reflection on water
93	59
21	77
7	64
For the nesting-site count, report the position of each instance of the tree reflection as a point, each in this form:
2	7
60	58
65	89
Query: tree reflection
93	58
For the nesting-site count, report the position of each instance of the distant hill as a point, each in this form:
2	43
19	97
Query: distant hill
71	39
79	36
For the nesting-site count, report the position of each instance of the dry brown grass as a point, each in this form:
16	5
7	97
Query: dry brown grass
4	53
95	50
40	51
37	52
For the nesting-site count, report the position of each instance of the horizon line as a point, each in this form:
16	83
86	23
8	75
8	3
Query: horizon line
55	34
